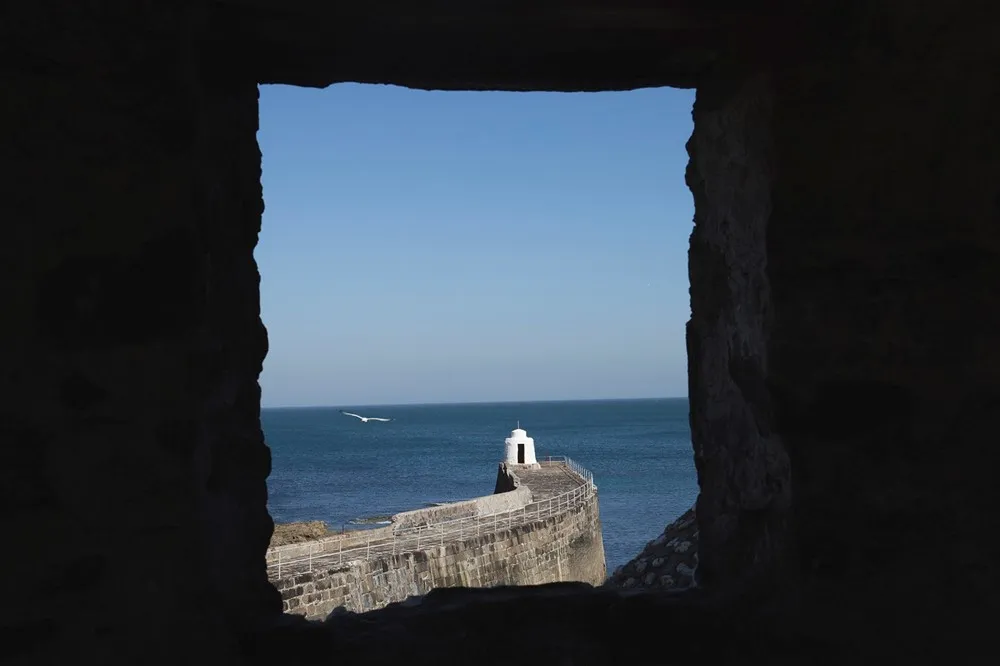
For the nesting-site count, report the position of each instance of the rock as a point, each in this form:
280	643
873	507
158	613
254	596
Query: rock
298	532
673	555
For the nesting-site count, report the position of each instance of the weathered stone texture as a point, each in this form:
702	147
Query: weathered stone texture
133	478
557	623
514	499
668	562
742	465
407	521
884	261
565	547
842	345
507	480
542	45
843	355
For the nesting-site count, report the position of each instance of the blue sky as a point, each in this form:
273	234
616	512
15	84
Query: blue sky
426	247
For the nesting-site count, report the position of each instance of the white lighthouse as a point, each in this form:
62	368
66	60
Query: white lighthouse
519	449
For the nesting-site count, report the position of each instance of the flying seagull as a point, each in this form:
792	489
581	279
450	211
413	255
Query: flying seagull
364	419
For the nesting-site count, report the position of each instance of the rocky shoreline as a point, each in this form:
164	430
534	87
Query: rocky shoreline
667	562
287	533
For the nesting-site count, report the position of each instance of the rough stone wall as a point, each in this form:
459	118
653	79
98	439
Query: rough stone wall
329	544
567	547
457	45
884	261
844	272
557	623
507	480
228	359
131	340
842	347
479	506
742	464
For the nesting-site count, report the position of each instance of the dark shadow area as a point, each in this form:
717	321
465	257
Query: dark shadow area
843	162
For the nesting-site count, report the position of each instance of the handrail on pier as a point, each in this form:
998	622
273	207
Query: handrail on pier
408	539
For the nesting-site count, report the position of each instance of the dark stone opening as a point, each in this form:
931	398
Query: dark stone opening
839	181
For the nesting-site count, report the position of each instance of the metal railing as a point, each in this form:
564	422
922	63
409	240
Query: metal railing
580	471
419	537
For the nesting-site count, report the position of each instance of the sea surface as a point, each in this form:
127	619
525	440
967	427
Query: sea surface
331	467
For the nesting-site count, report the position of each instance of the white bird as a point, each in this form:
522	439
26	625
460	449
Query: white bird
364	419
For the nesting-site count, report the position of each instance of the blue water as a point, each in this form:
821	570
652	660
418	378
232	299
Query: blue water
331	467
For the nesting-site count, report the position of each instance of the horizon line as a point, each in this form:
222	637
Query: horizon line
473	402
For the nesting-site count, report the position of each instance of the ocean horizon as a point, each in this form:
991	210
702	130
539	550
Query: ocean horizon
447	403
331	467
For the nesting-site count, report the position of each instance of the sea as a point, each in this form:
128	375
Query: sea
331	467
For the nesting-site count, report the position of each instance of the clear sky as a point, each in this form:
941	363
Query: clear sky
473	246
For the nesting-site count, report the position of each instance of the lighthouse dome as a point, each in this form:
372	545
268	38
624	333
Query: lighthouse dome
519	449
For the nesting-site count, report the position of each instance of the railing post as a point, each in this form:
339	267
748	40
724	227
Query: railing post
311	557
418	537
341	544
368	547
442	536
279	564
394	543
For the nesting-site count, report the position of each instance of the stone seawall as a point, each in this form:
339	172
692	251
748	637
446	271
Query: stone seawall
354	539
567	546
480	506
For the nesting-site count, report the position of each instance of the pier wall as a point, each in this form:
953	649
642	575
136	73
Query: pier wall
560	545
353	540
480	506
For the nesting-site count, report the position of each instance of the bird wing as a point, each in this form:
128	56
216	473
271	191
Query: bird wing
372	418
357	416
